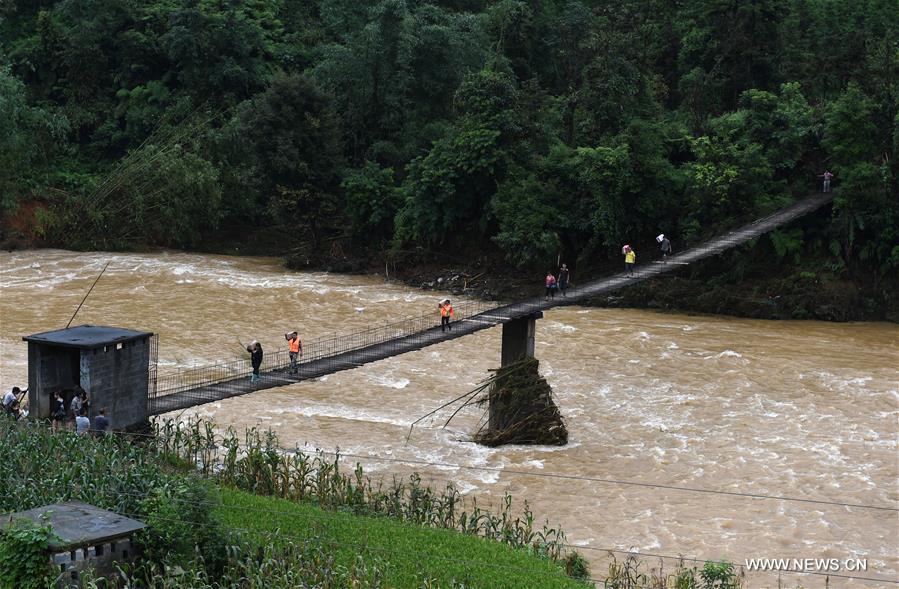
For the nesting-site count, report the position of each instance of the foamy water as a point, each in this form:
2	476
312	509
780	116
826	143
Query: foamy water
799	409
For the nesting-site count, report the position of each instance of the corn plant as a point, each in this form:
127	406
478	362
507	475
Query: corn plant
258	464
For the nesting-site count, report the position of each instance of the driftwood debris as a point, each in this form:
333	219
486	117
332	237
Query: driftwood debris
521	409
518	408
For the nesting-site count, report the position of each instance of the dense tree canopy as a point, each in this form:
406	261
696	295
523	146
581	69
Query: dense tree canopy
531	128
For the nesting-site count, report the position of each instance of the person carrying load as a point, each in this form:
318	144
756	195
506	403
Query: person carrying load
664	245
255	350
446	314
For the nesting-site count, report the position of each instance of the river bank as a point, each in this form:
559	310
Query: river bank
754	281
763	288
763	291
750	282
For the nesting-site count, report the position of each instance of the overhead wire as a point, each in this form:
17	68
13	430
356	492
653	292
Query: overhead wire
584	478
564	476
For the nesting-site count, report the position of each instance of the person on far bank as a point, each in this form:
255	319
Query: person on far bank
82	423
664	245
564	279
255	350
827	175
294	349
630	260
446	314
101	424
550	286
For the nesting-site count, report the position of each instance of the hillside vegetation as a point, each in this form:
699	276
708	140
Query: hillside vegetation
521	130
221	514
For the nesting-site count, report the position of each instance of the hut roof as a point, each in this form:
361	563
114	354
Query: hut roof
78	524
86	336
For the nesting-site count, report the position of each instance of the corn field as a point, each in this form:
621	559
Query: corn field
257	463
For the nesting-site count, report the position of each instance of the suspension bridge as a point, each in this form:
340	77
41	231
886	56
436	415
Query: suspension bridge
196	386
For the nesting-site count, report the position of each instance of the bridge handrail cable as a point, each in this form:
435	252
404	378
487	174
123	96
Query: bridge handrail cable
485	312
323	347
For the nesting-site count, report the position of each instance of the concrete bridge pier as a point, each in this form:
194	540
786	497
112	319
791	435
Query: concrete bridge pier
518	343
518	338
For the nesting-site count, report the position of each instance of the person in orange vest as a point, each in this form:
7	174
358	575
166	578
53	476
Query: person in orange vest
295	349
446	315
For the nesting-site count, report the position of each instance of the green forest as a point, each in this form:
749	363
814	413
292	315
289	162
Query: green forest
526	131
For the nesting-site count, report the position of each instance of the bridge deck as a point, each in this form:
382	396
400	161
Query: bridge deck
365	352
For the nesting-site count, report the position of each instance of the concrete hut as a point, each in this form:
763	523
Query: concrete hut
84	537
112	364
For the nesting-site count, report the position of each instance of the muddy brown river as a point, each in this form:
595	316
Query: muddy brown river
786	408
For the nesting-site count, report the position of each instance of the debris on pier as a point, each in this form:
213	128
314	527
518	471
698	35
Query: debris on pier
521	408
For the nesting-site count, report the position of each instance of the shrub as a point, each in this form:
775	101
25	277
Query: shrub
628	574
25	555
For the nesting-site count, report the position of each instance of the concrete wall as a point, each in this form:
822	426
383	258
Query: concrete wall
518	339
50	369
115	377
518	343
100	559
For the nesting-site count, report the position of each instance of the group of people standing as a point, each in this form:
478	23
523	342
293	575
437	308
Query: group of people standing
75	415
557	282
294	351
562	280
71	415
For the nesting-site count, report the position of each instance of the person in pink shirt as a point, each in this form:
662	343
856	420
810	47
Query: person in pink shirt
550	286
827	176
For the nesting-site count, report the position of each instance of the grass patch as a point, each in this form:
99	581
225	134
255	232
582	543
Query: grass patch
416	556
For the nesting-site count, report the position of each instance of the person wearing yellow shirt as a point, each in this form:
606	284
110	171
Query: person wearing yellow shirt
630	260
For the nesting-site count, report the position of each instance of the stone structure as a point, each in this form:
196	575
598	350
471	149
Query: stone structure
518	338
110	363
518	344
84	537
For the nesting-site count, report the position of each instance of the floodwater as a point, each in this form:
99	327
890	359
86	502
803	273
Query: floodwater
786	408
